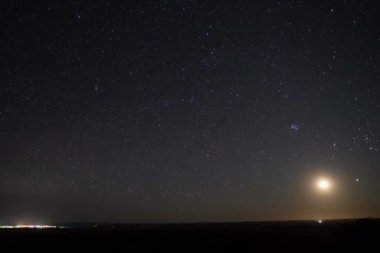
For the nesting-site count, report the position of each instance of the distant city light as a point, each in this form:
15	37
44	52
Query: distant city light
320	221
29	226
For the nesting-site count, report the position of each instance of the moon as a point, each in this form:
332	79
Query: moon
323	184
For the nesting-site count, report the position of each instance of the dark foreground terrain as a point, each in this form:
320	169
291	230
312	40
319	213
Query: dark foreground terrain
361	235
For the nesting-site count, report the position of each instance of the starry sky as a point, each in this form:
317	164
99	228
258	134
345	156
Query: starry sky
188	110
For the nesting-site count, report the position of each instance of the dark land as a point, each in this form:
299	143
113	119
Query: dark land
306	236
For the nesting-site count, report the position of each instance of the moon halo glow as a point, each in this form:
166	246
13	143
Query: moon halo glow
323	185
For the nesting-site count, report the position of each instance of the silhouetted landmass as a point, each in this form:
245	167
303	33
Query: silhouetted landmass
305	236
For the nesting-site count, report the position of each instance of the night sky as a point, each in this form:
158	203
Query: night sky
184	111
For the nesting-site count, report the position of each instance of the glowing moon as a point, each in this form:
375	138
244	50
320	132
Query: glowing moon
323	184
